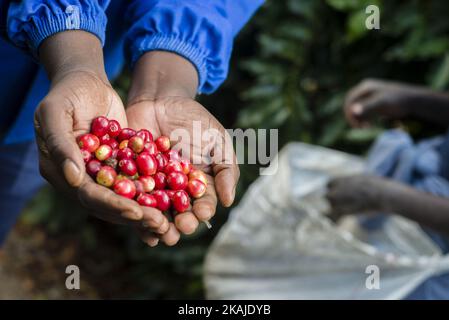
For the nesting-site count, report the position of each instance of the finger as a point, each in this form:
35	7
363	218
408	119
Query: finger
171	237
186	222
147	237
352	113
104	200
112	218
54	126
367	109
204	207
362	91
155	220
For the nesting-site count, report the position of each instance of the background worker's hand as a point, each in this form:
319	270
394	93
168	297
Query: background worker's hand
378	98
165	105
80	92
357	194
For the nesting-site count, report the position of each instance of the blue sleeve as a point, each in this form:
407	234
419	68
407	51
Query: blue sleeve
202	31
29	22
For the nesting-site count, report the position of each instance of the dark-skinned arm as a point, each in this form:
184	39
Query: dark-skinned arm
365	194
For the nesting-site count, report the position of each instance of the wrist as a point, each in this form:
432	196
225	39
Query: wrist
72	51
159	74
391	195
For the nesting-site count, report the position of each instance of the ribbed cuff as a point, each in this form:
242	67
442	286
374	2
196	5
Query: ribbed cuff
42	28
172	44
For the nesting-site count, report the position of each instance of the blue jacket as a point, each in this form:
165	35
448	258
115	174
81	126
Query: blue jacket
200	30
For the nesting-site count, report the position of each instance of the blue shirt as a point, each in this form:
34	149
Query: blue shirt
202	31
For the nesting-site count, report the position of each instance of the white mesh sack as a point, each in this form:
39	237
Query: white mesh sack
279	244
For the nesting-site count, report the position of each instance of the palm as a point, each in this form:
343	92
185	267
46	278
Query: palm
163	117
90	98
64	114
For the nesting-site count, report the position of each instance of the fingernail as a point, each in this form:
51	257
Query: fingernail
357	109
72	173
153	243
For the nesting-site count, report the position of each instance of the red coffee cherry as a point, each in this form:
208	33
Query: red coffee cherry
126	134
123	144
88	142
163	143
103	152
114	128
147	200
160	180
148	183
136	144
186	166
151	148
177	180
104	139
181	201
125	188
109	141
145	135
173	155
146	164
162	198
100	126
125	153
172	166
106	176
196	188
127	166
161	160
198	174
92	167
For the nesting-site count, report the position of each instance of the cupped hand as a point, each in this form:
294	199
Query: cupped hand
182	119
74	100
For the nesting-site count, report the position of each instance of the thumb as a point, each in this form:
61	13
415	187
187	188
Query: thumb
56	140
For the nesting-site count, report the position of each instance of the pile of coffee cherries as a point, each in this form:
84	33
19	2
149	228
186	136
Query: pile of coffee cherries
137	167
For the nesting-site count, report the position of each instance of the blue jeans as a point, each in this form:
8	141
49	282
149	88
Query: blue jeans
19	182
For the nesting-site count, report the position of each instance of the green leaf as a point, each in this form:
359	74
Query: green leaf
333	131
440	80
356	28
333	105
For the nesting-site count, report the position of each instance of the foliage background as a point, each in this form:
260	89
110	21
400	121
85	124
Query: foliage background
291	67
